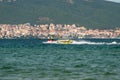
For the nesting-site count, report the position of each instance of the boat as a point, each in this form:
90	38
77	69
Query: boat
64	41
50	40
61	41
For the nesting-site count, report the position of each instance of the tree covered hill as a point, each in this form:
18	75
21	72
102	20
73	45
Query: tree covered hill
90	13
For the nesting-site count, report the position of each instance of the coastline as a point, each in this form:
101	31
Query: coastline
57	31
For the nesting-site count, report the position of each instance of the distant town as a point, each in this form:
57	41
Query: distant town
57	31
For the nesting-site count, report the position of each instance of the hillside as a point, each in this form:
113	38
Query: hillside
90	13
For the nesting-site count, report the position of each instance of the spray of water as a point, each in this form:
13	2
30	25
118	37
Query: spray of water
87	42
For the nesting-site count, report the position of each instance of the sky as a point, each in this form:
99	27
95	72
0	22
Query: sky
118	1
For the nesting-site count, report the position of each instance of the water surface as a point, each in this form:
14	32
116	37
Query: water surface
30	59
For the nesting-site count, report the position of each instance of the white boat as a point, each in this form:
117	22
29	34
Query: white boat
50	42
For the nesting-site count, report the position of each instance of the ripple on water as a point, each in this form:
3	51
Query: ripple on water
59	62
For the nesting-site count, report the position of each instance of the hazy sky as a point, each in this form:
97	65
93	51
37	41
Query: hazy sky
114	0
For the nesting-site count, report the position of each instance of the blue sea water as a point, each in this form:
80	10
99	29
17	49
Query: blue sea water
87	59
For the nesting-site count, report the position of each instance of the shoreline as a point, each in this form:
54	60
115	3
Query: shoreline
56	31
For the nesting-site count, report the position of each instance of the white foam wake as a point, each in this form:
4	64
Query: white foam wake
94	43
86	42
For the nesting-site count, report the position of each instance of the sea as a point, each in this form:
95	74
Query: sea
35	59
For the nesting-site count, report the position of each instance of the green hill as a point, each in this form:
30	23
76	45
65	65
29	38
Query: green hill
89	13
